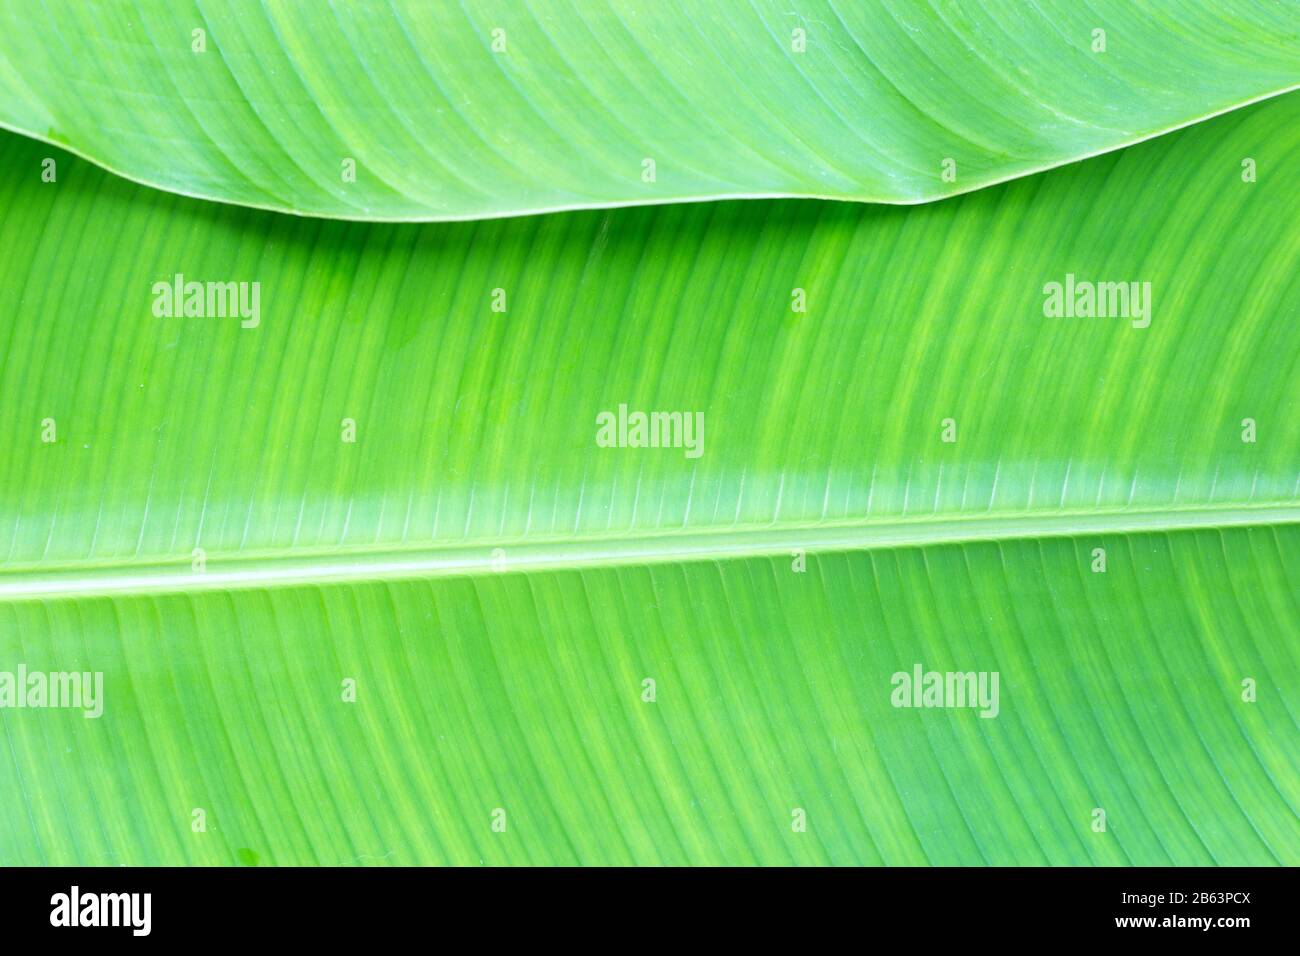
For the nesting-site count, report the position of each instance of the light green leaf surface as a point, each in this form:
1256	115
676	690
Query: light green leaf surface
478	428
441	126
512	679
522	692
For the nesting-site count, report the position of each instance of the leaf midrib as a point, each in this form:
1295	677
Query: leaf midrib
258	570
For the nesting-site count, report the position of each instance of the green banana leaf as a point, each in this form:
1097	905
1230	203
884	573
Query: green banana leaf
418	110
366	587
523	693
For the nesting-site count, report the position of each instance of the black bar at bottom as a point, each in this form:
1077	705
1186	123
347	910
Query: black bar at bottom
335	906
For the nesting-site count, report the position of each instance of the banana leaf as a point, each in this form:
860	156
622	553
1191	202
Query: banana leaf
419	110
366	586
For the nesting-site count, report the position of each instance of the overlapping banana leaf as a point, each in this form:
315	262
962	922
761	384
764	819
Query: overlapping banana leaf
431	644
434	109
